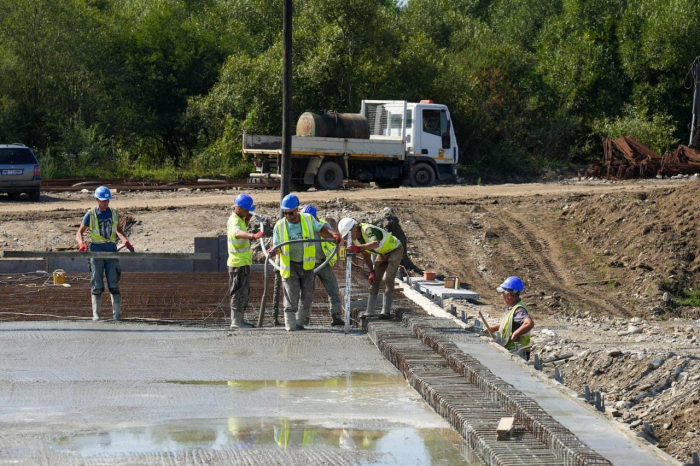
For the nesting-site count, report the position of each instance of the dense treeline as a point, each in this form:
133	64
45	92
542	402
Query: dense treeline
159	87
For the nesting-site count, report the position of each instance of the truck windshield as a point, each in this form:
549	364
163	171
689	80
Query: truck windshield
16	156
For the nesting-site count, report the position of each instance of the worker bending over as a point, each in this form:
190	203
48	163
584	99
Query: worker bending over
368	238
297	260
326	275
240	258
516	323
102	222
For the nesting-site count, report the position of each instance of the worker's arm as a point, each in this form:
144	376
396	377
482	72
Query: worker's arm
369	246
495	328
527	325
368	260
245	235
327	232
79	234
124	239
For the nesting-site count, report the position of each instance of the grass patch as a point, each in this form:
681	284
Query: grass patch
688	297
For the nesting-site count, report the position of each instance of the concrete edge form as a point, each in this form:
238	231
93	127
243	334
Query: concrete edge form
565	447
436	311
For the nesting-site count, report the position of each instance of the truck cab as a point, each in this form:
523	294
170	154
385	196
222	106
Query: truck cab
426	129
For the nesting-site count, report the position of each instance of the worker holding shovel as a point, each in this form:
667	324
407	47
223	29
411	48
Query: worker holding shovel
516	323
102	222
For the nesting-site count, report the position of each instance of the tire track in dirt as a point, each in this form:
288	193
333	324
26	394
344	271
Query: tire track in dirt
536	253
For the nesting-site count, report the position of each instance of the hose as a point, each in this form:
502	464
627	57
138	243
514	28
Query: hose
263	303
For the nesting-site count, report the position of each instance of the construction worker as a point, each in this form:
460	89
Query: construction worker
516	323
297	260
326	275
368	238
102	222
240	258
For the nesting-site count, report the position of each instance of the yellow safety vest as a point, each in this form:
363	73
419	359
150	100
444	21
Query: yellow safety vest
307	232
328	248
507	329
388	243
94	228
238	248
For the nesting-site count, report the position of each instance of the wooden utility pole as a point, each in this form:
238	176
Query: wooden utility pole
286	165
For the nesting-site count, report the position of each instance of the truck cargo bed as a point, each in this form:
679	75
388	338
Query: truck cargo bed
377	146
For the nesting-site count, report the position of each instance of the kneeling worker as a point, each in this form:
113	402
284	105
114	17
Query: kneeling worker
368	238
240	258
326	275
516	323
102	222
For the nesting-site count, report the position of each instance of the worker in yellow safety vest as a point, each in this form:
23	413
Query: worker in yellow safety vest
297	260
240	258
102	223
326	275
368	238
516	323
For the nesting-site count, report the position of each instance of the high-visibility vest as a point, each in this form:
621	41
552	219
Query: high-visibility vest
507	329
94	227
388	243
238	248
328	248
307	232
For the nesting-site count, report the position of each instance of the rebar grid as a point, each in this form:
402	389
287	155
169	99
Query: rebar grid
473	400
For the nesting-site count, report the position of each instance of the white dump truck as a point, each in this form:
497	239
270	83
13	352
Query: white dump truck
389	142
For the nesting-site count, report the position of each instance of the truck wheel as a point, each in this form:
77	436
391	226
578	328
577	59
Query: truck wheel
329	176
34	196
422	175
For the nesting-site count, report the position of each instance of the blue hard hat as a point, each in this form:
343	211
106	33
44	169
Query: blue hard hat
309	209
103	193
290	201
244	201
511	284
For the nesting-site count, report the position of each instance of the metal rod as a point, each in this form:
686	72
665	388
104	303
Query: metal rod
106	255
348	289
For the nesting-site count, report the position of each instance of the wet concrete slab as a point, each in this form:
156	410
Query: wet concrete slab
597	433
136	393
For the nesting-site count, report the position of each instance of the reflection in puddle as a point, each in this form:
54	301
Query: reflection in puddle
403	445
348	380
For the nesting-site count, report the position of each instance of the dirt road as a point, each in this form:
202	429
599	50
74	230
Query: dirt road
188	198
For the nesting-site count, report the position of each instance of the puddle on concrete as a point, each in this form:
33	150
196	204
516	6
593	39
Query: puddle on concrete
402	445
348	380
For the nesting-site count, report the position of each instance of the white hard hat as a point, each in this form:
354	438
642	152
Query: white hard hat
345	225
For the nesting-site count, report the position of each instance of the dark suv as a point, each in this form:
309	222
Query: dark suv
20	171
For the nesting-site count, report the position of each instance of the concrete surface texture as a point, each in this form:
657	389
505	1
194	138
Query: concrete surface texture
84	393
599	434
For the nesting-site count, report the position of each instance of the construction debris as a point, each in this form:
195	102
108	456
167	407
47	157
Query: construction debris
625	157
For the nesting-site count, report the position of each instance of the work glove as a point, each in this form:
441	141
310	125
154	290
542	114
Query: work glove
371	278
338	239
272	251
83	247
128	246
354	248
259	235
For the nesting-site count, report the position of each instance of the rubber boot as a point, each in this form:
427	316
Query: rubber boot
302	318
335	314
371	305
116	307
386	308
239	321
96	306
290	321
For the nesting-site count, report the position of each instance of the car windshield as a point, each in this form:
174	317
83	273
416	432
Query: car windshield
16	156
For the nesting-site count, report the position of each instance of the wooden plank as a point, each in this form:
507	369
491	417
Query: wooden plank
486	325
105	255
505	428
